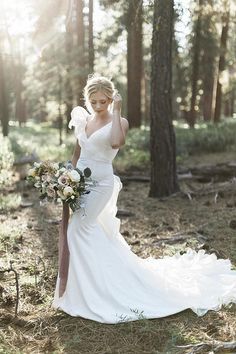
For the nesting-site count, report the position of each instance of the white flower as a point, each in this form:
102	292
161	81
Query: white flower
56	166
61	195
62	169
37	185
32	172
74	176
68	191
37	164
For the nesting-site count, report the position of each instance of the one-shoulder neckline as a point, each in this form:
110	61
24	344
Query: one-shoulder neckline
95	131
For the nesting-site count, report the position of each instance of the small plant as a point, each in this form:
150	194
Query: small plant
11	269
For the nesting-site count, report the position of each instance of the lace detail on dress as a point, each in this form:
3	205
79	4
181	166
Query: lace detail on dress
78	120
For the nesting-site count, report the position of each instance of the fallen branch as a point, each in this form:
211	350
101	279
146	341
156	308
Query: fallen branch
123	213
171	240
145	179
220	171
179	236
215	346
134	178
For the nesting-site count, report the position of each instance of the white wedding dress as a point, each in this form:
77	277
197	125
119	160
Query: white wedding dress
107	282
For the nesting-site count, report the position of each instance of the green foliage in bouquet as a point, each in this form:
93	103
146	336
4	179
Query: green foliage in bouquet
60	181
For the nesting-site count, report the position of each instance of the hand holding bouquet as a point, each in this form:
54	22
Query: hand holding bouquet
60	181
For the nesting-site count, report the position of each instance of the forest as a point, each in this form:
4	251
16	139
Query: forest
173	62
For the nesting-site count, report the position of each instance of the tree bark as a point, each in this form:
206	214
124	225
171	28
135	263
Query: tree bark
223	48
162	139
4	111
195	65
232	100
82	69
68	85
20	110
208	65
90	41
134	62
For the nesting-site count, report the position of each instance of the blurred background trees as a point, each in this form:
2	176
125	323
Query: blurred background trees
48	49
47	54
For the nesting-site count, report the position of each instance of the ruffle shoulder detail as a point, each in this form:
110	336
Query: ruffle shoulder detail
78	120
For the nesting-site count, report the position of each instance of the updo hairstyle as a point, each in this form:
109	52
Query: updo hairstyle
97	83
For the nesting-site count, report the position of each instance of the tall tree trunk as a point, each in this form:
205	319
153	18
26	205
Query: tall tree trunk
232	100
162	139
91	45
195	65
68	86
4	110
82	70
20	110
210	50
134	62
223	47
60	117
208	87
146	97
227	105
43	110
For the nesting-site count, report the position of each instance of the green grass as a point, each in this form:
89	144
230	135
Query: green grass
6	162
206	138
9	202
43	140
9	237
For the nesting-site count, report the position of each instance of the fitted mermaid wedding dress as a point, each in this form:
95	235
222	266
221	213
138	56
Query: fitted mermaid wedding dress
106	281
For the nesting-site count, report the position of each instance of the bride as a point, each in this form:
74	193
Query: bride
99	277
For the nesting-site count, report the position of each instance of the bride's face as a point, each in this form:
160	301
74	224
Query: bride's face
99	102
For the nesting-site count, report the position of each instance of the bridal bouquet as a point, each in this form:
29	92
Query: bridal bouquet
59	181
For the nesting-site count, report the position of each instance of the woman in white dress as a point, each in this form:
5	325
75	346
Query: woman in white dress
99	277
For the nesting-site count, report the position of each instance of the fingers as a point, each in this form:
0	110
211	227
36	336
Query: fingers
117	96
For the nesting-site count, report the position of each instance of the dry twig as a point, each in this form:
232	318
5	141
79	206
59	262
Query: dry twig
11	269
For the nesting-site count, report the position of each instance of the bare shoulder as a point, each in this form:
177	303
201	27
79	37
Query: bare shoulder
125	123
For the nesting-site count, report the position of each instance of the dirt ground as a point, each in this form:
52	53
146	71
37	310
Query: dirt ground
201	216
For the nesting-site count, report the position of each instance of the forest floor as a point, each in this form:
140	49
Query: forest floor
202	216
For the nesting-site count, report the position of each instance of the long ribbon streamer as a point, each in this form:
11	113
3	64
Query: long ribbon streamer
64	254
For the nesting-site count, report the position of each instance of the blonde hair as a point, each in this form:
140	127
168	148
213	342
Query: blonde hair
97	83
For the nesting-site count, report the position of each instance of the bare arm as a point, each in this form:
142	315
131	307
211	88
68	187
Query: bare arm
76	154
120	125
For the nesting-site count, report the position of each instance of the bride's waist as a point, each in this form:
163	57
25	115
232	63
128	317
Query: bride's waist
99	169
92	160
